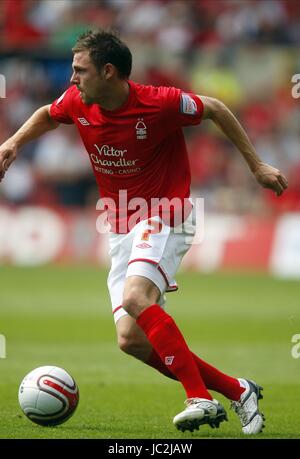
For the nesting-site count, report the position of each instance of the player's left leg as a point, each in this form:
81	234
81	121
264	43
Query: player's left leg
247	409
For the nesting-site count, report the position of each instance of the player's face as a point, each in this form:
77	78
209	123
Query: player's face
90	82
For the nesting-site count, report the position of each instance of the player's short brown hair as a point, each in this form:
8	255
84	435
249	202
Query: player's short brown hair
106	47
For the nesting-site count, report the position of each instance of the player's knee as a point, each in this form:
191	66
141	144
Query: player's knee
125	344
129	343
134	301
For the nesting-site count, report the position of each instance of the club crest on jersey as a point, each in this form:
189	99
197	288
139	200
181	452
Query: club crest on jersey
141	129
187	105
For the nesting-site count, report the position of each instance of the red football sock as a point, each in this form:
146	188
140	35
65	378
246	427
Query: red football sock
212	377
167	340
155	361
218	381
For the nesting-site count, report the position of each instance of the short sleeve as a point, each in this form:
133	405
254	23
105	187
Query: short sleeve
61	108
180	109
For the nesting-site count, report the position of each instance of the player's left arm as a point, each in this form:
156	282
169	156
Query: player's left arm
266	175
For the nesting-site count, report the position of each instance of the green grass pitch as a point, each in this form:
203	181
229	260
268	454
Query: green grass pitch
61	316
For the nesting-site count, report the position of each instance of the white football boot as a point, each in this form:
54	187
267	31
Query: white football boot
246	408
200	411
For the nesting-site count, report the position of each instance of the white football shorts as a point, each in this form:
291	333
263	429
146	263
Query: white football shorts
152	250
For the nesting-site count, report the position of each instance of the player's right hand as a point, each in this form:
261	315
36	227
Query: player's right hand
8	153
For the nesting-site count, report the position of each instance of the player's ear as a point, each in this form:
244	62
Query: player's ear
109	71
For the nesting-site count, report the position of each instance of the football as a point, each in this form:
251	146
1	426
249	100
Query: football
48	395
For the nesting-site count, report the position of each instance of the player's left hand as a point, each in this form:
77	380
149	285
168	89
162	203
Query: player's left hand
270	177
8	153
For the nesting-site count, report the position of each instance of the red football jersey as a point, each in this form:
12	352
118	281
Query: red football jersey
139	147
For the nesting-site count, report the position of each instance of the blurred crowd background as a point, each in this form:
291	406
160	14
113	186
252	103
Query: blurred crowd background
243	52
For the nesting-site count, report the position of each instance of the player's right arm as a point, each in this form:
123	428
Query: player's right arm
39	123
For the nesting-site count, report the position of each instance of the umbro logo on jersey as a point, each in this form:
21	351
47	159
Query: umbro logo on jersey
144	245
83	121
169	359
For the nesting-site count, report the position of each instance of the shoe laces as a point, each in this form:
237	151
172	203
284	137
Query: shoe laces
192	401
195	400
240	411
